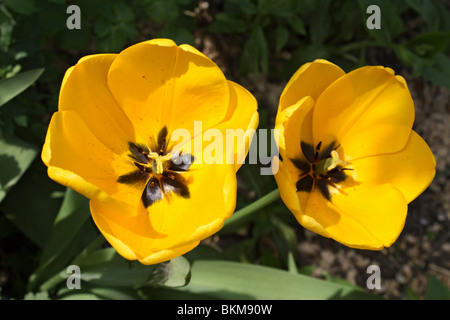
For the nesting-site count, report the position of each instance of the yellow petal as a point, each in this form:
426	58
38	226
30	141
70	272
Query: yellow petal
411	170
229	141
85	91
367	217
159	84
310	80
77	159
286	184
174	224
295	127
368	111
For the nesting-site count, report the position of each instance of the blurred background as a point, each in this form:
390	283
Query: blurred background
258	44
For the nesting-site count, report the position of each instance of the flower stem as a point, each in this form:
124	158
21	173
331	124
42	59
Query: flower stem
242	214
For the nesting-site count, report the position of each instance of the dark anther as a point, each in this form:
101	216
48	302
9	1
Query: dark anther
323	187
162	143
152	192
308	151
158	183
305	184
326	152
336	176
303	166
181	163
176	183
138	152
323	179
133	177
316	154
141	167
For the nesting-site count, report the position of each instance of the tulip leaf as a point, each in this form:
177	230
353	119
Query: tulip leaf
434	12
248	281
95	292
281	37
391	24
255	55
436	290
15	158
427	45
106	267
439	72
11	87
70	233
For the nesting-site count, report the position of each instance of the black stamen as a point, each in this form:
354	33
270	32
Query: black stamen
336	176
152	192
316	154
318	146
326	153
305	184
162	141
141	167
138	152
181	162
133	177
176	183
303	166
308	151
323	187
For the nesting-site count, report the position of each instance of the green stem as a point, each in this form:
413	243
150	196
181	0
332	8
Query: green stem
242	214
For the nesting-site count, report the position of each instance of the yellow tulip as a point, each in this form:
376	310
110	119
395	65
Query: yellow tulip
111	141
349	159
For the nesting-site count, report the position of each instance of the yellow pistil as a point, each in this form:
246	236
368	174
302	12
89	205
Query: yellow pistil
329	163
159	162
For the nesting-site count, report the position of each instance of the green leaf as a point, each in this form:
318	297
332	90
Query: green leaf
303	55
178	272
123	12
436	290
37	296
391	22
34	217
434	12
255	56
227	23
25	7
163	11
106	267
102	28
439	73
281	37
11	87
320	22
15	158
6	28
58	250
178	35
95	292
233	280
427	45
296	24
241	216
411	59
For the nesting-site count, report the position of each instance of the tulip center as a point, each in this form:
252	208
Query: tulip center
159	169
322	170
159	163
328	164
